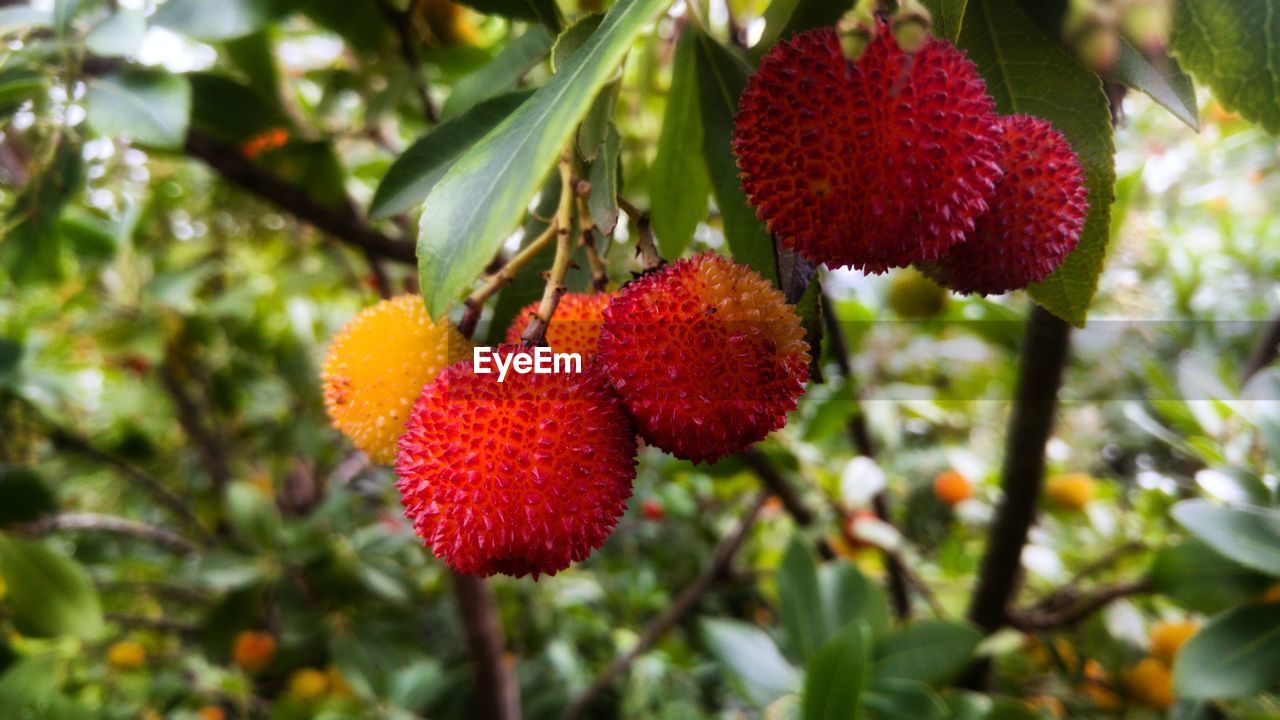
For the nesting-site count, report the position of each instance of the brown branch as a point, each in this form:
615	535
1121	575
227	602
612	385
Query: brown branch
191	416
684	604
496	689
1076	608
344	224
67	441
778	486
401	21
1264	351
860	436
169	591
501	278
110	525
646	245
152	623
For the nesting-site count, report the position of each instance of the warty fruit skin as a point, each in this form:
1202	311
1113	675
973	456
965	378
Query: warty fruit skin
1035	220
376	366
706	355
871	165
519	477
575	328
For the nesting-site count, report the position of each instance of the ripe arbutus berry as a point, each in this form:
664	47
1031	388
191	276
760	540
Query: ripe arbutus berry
1036	215
874	164
706	355
518	477
376	367
575	328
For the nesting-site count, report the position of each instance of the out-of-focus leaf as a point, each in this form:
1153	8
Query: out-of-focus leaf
49	593
1232	656
1233	48
678	181
722	76
573	38
213	20
933	652
150	106
33	248
752	658
1162	79
1234	485
1197	578
255	56
477	204
836	676
120	34
24	496
23	17
232	111
253	514
1027	72
893	698
850	597
809	14
370	652
543	11
501	74
803	616
1248	535
412	176
948	17
603	200
362	24
30	689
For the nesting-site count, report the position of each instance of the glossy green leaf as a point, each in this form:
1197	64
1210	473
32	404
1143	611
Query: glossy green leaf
836	676
1232	656
800	598
502	73
1248	535
213	20
1195	577
678	181
1162	79
948	17
602	203
1028	72
412	176
722	76
933	652
481	199
120	34
573	38
151	107
1234	48
49	593
752	659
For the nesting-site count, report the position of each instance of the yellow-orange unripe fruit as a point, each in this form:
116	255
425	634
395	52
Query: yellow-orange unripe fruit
308	684
1150	683
126	655
253	650
1071	491
1168	637
378	364
212	712
952	488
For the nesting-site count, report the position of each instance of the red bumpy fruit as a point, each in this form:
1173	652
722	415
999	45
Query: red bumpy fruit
575	328
874	164
706	355
517	477
1035	219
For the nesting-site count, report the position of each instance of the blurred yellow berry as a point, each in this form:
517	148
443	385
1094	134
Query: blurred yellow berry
337	684
1271	595
915	297
1047	705
253	651
1221	114
1150	683
211	712
377	366
308	684
4	590
1071	491
1064	655
952	488
1096	685
1168	637
149	714
447	23
126	655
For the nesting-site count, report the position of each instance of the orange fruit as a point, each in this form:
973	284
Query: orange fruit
126	655
1070	491
1168	637
253	650
952	488
1150	683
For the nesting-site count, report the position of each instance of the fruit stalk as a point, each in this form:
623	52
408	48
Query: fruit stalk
536	333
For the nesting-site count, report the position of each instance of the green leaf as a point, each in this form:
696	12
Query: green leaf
800	597
573	38
933	652
602	203
1162	79
752	658
1232	656
836	677
481	199
678	181
49	593
33	247
253	514
412	176
722	76
23	17
892	699
17	85
810	14
1248	535
850	596
543	11
254	55
120	34
594	126
230	110
24	496
1233	47
150	106
1028	72
362	24
948	17
1197	578
501	74
213	20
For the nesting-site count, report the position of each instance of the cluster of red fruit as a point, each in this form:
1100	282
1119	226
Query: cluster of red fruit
701	358
898	159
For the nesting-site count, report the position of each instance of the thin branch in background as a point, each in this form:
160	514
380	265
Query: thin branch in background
110	525
587	238
1075	609
684	604
192	417
1264	351
68	441
160	624
345	224
500	278
496	688
156	588
646	245
860	435
401	21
